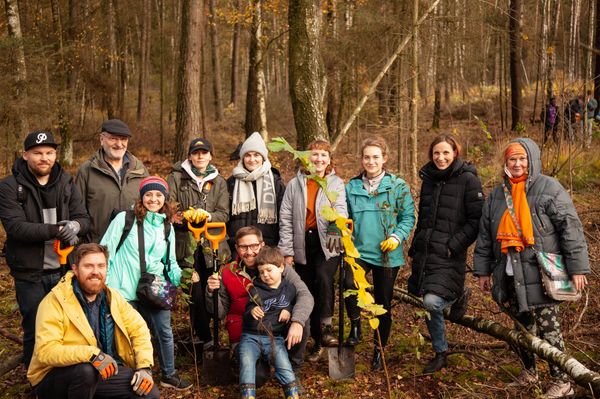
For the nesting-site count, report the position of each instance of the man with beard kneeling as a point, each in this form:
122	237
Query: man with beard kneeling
89	342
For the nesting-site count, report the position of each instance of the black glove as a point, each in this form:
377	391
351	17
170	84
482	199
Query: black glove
142	382
334	239
105	365
68	234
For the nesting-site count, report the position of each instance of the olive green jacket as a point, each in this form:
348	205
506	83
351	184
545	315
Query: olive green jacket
101	191
184	190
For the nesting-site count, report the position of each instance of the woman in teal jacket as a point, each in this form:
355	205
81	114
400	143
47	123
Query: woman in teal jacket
382	209
124	268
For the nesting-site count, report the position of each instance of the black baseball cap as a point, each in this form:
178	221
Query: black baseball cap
200	144
116	127
39	138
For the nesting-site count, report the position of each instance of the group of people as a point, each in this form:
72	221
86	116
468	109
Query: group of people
91	336
573	115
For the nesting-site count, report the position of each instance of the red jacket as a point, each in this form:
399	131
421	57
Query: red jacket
238	287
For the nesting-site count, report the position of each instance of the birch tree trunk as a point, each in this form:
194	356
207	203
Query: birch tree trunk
256	111
516	50
307	72
188	123
414	93
216	60
552	53
574	66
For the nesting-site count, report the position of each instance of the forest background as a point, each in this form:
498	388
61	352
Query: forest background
341	70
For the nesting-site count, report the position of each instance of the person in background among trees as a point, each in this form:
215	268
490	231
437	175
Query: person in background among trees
572	115
592	104
110	179
551	118
312	242
39	204
379	231
255	193
544	220
449	211
196	183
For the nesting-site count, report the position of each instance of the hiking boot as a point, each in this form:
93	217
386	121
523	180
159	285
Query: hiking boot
559	390
377	363
176	382
439	362
460	306
355	333
301	390
316	353
524	379
327	338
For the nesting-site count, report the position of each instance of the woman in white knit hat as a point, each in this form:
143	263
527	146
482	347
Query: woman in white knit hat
255	193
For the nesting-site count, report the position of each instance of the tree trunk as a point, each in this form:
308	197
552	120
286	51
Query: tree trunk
516	51
188	123
334	83
597	56
216	60
552	53
161	25
122	61
64	122
235	54
256	114
11	364
414	94
307	73
144	57
574	66
437	104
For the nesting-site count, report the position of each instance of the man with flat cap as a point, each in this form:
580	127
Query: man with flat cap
39	204
110	179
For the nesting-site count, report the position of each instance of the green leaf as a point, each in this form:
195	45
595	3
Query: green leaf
190	260
14	307
187	272
184	286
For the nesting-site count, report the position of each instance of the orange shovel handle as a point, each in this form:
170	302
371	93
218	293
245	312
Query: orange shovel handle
215	239
197	231
62	253
350	224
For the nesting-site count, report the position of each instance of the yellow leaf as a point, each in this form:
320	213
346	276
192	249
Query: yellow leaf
329	213
550	50
349	247
374	323
525	37
351	262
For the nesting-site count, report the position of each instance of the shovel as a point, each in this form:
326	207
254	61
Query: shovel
341	359
62	256
217	370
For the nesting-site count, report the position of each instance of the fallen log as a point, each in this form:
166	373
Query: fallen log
581	374
11	336
11	364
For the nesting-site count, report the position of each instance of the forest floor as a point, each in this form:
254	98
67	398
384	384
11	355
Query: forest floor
480	367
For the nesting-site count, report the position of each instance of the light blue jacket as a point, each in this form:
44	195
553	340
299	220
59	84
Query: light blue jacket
391	206
124	267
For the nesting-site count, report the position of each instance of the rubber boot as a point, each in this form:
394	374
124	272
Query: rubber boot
248	391
355	335
290	391
377	359
439	362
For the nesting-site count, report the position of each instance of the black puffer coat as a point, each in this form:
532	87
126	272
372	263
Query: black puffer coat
449	213
270	231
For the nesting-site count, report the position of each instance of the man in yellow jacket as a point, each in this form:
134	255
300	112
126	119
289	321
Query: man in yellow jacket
89	342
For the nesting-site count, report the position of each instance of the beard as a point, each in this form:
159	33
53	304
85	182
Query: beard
41	170
92	287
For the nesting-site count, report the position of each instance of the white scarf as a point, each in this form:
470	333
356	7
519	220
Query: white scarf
243	192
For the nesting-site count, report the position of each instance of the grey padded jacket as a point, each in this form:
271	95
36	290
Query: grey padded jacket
292	216
556	229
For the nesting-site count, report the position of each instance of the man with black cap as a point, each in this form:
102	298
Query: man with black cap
39	203
110	179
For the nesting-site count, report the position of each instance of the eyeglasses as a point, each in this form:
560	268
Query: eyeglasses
114	139
244	248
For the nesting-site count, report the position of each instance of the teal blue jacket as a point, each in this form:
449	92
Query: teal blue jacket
391	206
124	267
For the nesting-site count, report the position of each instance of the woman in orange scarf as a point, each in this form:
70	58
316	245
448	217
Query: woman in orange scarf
542	217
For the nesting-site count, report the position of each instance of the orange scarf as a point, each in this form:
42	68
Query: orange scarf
508	234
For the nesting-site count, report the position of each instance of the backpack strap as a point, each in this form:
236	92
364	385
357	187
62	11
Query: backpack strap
141	248
129	219
167	269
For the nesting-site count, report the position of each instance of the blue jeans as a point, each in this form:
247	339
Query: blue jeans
252	347
436	325
29	296
159	323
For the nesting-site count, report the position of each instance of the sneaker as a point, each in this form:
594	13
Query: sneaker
460	307
176	382
327	338
559	390
299	385
317	352
524	379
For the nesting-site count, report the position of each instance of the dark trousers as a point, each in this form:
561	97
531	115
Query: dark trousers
383	284
83	381
550	127
29	296
295	354
318	274
199	316
544	321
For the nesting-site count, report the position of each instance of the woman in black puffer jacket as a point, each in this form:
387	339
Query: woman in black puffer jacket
449	212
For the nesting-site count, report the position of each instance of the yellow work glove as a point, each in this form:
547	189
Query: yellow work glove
389	245
195	215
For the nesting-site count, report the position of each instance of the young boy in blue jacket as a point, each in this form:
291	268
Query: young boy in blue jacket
264	323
